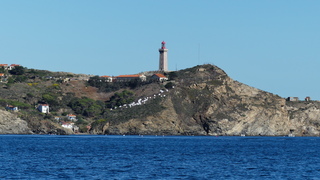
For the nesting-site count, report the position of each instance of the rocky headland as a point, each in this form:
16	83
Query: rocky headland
202	100
205	101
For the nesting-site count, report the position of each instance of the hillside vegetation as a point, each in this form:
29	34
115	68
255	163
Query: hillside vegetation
201	100
65	93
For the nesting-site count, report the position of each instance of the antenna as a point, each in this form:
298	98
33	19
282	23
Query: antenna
199	54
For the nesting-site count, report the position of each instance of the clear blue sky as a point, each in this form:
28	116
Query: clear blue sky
270	45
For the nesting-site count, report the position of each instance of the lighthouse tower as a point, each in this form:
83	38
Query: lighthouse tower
163	60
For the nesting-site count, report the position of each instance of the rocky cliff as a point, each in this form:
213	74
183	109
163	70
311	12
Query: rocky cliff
11	124
205	101
202	100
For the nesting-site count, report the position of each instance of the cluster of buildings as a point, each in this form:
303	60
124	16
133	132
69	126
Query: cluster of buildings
3	76
295	99
70	123
8	67
44	108
163	67
141	77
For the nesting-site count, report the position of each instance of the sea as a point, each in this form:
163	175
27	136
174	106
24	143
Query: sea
158	157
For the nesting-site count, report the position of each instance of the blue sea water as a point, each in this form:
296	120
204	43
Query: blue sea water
158	157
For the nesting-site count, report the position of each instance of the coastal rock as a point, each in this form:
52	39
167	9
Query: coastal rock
11	124
208	102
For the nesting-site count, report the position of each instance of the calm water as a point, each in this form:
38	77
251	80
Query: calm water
151	157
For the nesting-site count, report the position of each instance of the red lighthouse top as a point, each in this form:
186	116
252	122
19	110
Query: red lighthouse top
163	45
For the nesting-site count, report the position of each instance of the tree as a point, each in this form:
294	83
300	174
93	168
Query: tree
169	85
17	70
86	106
10	80
119	99
20	78
173	75
52	100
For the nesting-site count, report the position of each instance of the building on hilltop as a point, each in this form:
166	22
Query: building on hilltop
4	66
159	77
163	59
12	66
7	67
125	78
108	78
292	99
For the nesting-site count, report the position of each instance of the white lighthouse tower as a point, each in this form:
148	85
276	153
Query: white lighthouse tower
163	60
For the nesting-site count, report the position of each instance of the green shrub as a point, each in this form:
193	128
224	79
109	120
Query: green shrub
119	99
86	106
169	85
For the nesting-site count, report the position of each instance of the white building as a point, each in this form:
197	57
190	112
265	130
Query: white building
108	78
71	117
124	78
12	108
67	125
44	108
159	77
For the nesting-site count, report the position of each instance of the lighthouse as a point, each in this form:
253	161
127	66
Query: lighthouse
163	59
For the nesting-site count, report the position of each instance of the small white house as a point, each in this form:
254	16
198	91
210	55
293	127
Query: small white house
12	66
108	78
292	99
67	125
71	117
11	108
4	66
44	108
159	77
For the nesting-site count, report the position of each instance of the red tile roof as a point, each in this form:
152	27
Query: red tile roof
105	76
3	64
1	74
160	75
125	76
14	65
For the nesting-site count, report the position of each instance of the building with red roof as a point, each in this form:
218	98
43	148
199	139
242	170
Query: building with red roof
159	77
44	108
124	78
108	78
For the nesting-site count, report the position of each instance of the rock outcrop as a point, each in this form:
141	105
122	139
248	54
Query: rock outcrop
304	118
11	124
205	101
202	100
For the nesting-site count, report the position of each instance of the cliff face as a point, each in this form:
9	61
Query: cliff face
205	101
11	124
304	118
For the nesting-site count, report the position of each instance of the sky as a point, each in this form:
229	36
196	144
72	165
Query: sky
272	45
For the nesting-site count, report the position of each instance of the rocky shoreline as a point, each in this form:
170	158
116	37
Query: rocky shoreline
204	101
